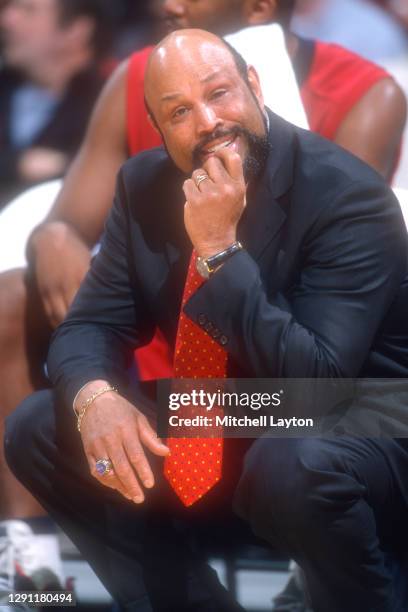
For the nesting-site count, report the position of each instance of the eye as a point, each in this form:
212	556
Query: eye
218	93
179	112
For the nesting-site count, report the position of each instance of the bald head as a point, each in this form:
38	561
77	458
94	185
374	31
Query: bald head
195	84
184	47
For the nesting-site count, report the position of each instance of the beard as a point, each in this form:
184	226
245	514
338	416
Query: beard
258	150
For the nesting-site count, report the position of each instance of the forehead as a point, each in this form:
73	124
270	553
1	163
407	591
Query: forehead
187	66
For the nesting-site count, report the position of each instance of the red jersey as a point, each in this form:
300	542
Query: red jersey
331	80
336	81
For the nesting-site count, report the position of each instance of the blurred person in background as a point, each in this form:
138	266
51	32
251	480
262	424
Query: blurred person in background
396	8
50	78
365	113
49	82
138	27
363	26
376	29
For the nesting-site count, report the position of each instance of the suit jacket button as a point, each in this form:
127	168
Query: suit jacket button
208	326
223	340
202	319
216	333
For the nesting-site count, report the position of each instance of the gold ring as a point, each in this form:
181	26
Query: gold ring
200	178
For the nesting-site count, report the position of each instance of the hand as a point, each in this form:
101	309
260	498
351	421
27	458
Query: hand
40	164
214	208
112	428
60	261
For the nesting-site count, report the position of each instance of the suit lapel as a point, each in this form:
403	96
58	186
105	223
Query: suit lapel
264	216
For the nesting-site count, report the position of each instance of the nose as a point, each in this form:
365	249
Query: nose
206	120
173	8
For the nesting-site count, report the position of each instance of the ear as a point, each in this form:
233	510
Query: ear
255	85
153	123
259	12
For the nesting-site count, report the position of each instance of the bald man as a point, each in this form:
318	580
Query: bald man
288	256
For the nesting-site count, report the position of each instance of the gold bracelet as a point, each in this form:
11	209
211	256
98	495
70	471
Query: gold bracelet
81	412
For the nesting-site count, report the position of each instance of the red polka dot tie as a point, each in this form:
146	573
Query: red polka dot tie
194	464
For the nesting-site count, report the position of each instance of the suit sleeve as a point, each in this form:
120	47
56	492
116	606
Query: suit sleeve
108	318
353	260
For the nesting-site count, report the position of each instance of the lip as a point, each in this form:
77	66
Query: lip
212	148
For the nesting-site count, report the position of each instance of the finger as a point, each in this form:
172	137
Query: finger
216	170
138	460
108	480
201	179
112	482
190	190
232	162
149	438
124	471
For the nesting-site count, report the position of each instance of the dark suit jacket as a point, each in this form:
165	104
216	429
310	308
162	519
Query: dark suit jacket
324	261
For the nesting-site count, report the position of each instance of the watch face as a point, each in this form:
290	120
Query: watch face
202	268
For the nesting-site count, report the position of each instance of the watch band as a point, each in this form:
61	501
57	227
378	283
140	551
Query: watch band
215	260
205	267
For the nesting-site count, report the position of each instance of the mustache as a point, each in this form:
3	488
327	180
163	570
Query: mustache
198	150
256	157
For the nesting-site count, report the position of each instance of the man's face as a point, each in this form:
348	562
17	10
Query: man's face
30	32
218	16
201	103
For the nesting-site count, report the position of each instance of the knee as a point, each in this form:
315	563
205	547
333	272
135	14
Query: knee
26	429
289	480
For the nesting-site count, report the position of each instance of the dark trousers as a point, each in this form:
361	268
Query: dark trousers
338	506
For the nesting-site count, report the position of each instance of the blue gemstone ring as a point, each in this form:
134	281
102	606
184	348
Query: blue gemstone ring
103	467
